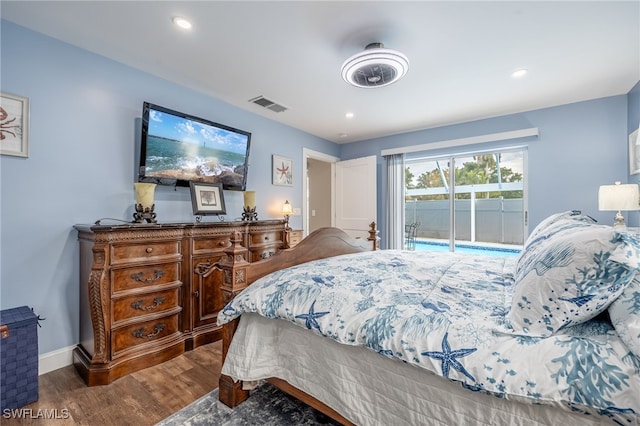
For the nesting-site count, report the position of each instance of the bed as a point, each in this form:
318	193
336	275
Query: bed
401	337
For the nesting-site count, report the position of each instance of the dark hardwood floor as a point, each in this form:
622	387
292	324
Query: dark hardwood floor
142	398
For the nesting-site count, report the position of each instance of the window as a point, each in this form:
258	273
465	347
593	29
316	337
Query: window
482	207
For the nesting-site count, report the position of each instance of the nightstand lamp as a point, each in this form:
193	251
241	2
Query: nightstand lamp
287	211
619	198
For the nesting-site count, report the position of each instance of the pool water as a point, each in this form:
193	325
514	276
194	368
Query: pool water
468	248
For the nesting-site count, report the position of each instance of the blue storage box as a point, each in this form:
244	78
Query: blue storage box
18	357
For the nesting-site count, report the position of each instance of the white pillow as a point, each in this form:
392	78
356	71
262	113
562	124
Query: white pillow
566	276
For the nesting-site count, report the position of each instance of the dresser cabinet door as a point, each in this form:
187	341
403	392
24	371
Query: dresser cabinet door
206	292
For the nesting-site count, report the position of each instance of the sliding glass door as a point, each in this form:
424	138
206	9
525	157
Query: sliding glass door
481	207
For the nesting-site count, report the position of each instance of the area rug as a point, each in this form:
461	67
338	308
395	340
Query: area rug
267	405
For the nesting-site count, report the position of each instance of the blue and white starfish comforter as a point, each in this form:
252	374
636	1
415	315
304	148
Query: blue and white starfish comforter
446	312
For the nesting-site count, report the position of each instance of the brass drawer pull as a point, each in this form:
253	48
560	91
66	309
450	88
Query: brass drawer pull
139	304
139	333
222	243
149	249
139	277
267	254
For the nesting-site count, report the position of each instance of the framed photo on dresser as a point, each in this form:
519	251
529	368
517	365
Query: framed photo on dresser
207	199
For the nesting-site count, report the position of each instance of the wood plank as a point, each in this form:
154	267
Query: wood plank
142	398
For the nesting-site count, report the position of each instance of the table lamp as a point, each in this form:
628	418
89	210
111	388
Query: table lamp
619	198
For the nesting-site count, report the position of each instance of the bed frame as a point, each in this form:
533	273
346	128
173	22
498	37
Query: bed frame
239	274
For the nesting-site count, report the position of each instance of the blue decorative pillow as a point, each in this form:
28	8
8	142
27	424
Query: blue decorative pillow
546	225
557	223
566	276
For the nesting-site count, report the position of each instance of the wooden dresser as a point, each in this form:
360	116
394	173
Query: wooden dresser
144	295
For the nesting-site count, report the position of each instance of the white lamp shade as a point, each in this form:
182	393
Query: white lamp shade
619	197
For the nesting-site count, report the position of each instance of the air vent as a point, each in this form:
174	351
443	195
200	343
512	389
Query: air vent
269	104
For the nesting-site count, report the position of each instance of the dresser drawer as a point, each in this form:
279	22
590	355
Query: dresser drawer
136	252
143	332
213	244
265	238
142	276
263	253
143	304
295	236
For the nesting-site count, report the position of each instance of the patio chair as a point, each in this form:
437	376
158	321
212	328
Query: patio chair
410	233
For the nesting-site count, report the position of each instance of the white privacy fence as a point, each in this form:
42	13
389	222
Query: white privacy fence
493	220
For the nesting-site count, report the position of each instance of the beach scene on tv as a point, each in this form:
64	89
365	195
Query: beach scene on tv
183	149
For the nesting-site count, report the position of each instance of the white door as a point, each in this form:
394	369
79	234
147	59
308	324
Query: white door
355	204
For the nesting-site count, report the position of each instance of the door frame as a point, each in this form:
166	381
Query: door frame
320	156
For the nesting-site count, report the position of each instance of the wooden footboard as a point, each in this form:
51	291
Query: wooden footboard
239	274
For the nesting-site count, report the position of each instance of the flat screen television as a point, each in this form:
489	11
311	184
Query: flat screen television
178	148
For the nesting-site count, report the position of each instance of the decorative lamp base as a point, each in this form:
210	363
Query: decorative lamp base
249	214
144	214
619	221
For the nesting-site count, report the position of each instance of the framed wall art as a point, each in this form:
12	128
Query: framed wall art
207	199
14	125
634	152
282	171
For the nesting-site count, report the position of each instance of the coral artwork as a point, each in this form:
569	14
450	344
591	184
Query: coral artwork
8	125
14	125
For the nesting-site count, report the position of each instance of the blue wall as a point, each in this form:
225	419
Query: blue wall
580	147
85	120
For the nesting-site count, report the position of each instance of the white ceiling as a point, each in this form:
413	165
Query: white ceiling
461	54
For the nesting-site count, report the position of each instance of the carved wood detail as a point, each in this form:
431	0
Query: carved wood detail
132	234
97	317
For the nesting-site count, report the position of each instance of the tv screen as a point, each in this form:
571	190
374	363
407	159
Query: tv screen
178	148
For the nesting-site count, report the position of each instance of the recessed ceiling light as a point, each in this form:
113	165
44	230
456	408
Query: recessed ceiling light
519	73
349	115
181	22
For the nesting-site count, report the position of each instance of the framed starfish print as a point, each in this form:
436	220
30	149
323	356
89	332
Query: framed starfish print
282	171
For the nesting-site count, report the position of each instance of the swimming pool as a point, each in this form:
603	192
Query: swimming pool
468	248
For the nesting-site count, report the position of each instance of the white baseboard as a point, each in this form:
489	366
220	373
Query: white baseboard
55	359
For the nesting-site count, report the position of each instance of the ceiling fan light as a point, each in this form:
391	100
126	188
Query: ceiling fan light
375	67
